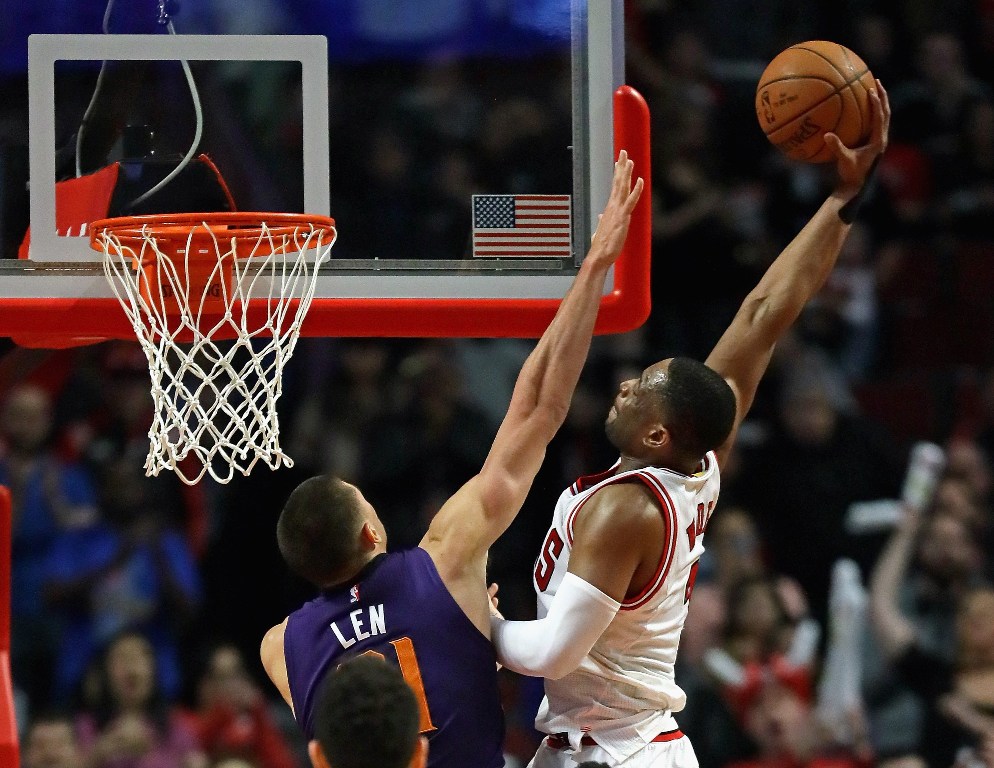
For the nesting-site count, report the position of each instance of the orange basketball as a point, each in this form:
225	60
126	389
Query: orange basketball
809	90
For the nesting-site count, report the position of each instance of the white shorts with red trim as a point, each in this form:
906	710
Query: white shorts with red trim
676	753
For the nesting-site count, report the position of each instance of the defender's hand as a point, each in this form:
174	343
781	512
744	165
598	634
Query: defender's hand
612	225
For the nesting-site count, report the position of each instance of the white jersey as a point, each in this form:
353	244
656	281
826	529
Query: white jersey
623	693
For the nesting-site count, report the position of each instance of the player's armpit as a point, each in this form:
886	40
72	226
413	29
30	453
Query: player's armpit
457	542
274	662
617	536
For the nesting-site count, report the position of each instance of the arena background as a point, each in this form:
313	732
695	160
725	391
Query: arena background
897	348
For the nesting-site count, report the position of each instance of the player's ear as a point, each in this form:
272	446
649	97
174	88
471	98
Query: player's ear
369	534
658	437
318	759
420	757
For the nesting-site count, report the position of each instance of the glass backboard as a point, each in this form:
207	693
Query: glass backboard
463	148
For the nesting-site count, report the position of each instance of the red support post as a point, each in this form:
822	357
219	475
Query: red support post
8	722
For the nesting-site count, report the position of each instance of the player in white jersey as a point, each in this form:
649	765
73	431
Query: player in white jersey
617	568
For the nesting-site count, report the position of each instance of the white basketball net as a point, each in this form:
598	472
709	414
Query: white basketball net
214	396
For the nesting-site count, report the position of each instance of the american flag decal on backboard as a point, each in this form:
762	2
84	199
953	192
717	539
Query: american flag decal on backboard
516	226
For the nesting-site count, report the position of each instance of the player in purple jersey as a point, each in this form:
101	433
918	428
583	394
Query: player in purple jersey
427	609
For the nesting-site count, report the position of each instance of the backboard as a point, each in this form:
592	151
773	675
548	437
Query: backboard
430	136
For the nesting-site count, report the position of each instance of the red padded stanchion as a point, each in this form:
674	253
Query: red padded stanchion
8	724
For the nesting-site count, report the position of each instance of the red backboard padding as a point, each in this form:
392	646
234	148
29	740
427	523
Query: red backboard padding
78	201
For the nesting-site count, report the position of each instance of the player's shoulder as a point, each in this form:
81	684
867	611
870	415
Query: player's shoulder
631	502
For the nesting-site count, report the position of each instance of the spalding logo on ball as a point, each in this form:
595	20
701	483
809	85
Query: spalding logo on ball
809	90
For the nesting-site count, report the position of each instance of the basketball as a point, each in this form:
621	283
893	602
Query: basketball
809	90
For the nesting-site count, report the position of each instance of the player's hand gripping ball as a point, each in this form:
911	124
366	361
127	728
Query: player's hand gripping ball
809	90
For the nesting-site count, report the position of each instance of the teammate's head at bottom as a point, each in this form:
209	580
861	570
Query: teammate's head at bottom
327	531
593	764
367	717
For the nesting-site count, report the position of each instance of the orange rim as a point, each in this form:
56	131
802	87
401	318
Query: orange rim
176	229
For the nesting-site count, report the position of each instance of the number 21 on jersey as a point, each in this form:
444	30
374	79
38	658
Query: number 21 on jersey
408	663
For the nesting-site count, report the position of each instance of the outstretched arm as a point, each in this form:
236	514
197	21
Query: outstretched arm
893	630
743	352
482	509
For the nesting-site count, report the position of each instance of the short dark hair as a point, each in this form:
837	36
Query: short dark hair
699	406
367	716
318	529
592	764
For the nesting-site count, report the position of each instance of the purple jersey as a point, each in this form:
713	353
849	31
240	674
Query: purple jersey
397	607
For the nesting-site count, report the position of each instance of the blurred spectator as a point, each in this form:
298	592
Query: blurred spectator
691	216
415	459
388	228
787	734
762	642
450	188
51	742
516	142
108	406
967	462
122	409
440	104
948	563
490	368
733	556
965	191
950	559
134	571
49	497
902	761
955	497
981	756
128	722
879	45
985	427
930	110
718	683
679	72
957	693
906	177
339	404
232	719
843	318
832	458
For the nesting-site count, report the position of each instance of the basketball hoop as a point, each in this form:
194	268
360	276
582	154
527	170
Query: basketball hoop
216	301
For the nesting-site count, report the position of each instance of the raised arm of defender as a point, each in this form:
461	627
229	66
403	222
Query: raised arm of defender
481	510
743	352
